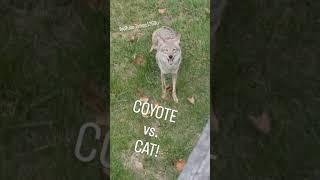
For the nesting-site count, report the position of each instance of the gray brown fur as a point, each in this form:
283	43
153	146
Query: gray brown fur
167	43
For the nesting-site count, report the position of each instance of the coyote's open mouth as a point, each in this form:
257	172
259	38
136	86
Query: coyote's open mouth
170	59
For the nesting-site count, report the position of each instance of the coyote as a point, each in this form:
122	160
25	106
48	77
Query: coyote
166	41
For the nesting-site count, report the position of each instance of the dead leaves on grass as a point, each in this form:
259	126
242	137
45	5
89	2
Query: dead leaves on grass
138	59
191	100
144	99
133	36
162	10
180	165
262	122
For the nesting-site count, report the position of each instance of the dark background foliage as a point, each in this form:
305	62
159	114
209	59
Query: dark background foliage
50	52
266	60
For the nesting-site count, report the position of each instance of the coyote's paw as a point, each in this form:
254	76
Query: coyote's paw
175	98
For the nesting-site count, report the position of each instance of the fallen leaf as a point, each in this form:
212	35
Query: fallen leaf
135	35
131	37
138	59
180	164
262	122
162	10
191	99
144	99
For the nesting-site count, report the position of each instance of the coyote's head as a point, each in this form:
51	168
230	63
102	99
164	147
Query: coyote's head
170	49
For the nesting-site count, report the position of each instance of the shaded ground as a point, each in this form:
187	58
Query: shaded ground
267	60
47	50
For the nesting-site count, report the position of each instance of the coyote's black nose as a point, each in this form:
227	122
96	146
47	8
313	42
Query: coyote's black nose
170	57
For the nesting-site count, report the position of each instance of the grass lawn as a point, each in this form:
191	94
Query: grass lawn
131	80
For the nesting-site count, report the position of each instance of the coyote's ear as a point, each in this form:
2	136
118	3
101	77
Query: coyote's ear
160	41
178	38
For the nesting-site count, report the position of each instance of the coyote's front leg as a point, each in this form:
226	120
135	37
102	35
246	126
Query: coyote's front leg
163	86
174	81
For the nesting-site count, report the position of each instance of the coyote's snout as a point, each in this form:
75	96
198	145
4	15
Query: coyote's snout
167	43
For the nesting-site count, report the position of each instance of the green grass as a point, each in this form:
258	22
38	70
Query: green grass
191	19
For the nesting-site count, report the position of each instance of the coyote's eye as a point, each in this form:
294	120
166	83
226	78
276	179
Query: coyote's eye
174	50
